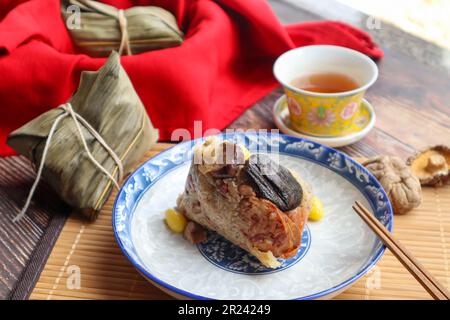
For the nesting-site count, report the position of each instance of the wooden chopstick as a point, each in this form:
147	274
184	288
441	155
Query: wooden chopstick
431	285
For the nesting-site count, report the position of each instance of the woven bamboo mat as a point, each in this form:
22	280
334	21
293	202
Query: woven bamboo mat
106	274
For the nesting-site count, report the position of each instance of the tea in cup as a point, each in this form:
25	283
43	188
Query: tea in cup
324	87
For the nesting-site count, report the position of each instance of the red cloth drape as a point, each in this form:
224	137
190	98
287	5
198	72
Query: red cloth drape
223	67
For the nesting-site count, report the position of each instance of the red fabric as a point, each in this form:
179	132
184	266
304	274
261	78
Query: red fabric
223	67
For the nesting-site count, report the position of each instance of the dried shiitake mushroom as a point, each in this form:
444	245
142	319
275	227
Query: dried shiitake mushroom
401	185
432	165
273	182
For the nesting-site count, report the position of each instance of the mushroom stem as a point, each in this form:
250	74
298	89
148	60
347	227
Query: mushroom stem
435	163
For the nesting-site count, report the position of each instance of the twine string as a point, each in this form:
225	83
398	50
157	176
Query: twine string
69	112
125	41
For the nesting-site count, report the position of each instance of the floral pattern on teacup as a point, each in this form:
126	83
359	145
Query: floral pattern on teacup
321	117
294	106
349	110
361	121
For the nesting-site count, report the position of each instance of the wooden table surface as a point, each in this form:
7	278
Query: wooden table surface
411	99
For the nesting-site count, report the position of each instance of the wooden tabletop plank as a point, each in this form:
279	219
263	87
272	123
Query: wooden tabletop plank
27	239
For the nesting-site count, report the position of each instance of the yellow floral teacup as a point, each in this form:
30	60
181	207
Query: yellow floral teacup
325	114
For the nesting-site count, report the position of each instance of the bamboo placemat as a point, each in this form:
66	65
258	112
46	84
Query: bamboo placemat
106	274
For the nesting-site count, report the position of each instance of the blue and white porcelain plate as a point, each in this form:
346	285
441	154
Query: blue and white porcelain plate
335	251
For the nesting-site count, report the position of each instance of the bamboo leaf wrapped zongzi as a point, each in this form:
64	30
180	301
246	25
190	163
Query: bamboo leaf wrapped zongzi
86	144
103	28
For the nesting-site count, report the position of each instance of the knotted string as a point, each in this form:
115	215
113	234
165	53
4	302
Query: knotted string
125	41
69	112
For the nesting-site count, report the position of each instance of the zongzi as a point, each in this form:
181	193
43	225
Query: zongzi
101	28
83	147
255	203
